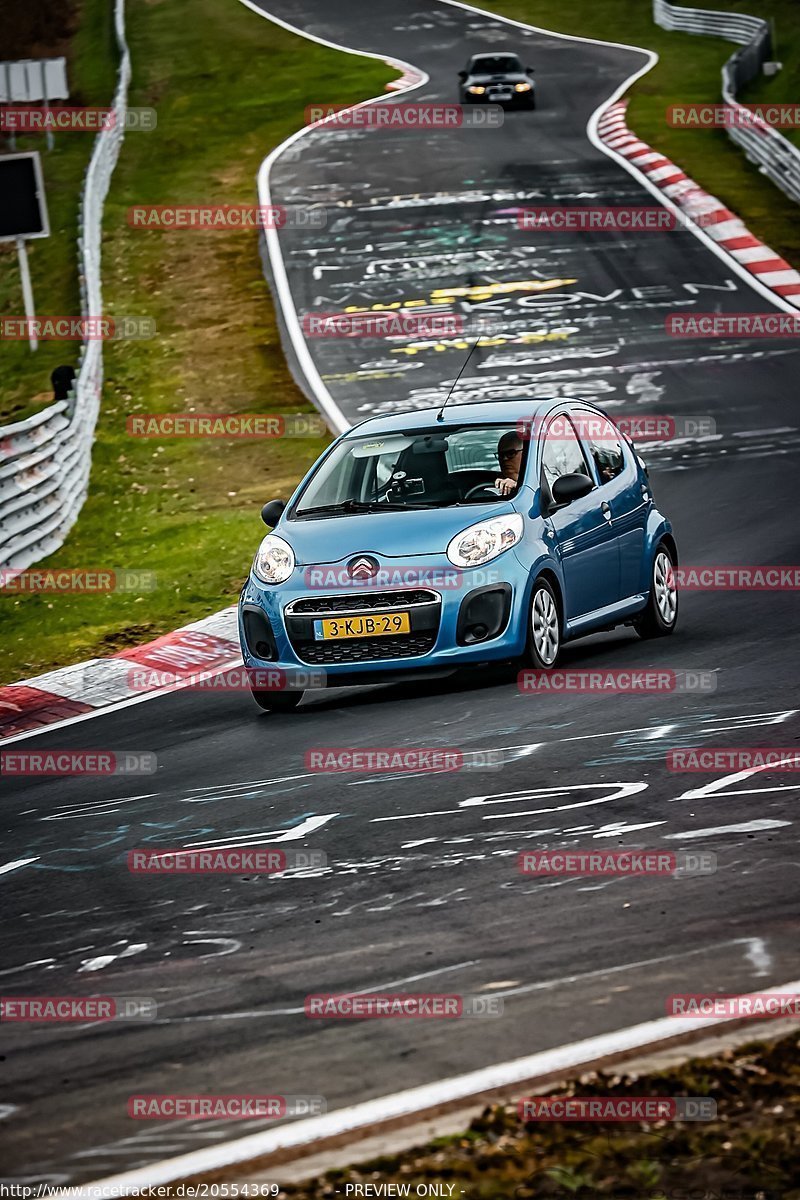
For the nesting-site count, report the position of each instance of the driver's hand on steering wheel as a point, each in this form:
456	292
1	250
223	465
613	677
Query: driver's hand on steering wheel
505	486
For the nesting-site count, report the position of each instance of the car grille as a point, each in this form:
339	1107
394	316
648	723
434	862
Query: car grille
362	602
423	606
352	650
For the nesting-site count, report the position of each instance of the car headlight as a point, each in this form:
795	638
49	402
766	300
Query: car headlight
476	91
274	561
522	87
482	542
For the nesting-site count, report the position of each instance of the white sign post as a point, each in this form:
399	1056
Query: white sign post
27	292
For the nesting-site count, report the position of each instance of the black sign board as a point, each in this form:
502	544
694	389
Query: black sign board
23	211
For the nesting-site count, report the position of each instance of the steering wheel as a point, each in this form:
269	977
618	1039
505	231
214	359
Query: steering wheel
481	487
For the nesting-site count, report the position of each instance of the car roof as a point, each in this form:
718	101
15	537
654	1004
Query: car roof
494	412
495	54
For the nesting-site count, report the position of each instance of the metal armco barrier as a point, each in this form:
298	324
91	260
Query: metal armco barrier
766	147
45	460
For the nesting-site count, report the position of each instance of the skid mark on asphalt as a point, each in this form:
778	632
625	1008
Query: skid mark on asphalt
94	808
755	953
299	1010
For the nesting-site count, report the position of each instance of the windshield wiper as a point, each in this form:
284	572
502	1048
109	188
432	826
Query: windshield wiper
354	506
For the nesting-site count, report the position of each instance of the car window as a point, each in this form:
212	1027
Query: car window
495	64
473	449
605	446
421	468
562	453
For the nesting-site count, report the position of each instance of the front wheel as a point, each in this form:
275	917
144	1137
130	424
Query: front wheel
277	701
544	627
661	615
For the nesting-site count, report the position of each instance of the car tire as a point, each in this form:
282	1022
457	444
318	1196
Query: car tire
661	614
544	627
277	701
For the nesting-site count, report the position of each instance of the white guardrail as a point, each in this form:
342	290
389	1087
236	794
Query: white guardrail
45	460
765	146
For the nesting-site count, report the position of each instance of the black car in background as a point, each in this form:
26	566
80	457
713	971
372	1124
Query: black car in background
498	79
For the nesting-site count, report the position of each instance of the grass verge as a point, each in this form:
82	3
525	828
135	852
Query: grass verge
228	86
689	71
749	1152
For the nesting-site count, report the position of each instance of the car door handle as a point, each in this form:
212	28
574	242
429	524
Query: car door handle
605	509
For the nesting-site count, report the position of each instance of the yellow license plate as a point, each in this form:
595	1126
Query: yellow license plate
380	625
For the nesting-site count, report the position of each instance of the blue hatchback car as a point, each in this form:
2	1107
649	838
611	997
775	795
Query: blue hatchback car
425	540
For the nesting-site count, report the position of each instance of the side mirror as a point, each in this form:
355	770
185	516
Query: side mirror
529	70
271	512
571	487
462	75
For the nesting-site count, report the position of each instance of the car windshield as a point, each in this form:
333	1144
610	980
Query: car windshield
419	469
496	64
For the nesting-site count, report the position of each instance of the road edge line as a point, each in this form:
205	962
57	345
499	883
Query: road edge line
384	1113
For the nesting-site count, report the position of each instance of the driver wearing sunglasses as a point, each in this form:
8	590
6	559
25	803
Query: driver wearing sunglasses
509	455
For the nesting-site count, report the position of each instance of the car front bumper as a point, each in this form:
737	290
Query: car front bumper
517	100
457	619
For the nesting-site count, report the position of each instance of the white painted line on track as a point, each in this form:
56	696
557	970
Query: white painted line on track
14	866
360	1119
712	831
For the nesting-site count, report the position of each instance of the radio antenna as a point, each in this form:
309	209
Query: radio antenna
440	414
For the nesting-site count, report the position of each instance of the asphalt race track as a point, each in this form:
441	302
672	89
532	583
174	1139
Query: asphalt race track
421	890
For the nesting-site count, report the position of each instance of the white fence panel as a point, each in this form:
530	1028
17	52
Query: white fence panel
776	157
